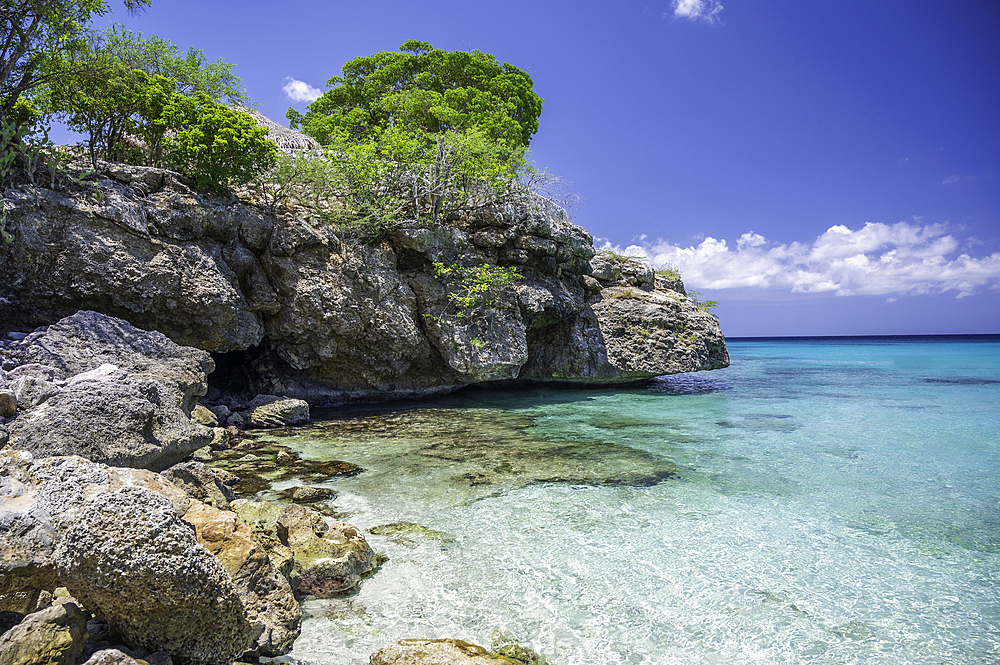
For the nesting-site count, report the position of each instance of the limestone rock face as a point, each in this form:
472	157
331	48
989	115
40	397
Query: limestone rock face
134	563
319	315
133	389
148	249
55	635
270	604
434	652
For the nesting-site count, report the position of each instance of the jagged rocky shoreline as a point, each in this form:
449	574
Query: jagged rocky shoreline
120	542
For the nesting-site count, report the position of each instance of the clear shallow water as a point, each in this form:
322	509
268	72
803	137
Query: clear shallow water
820	501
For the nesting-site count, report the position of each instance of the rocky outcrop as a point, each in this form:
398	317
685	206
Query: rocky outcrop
319	315
200	588
134	391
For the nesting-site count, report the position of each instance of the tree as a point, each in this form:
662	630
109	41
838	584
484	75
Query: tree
156	56
427	90
33	31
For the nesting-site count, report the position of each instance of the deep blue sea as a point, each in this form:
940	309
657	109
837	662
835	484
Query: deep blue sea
823	500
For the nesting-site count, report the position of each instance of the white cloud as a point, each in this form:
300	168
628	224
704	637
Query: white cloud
300	91
957	178
695	10
877	259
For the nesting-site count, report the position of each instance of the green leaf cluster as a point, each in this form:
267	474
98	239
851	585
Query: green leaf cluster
427	90
124	93
478	286
33	32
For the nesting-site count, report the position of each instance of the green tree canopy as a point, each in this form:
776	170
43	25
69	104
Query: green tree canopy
33	31
156	56
426	89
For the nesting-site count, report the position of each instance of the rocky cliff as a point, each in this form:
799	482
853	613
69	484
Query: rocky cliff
290	306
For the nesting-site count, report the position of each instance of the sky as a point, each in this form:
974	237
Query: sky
818	168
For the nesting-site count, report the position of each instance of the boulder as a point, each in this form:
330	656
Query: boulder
31	391
113	657
168	593
203	416
55	635
202	482
659	331
8	403
273	411
328	559
134	390
270	604
87	340
39	499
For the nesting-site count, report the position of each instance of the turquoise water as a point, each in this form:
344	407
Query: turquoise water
820	501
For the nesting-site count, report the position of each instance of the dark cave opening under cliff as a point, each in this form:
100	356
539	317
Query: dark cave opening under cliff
233	374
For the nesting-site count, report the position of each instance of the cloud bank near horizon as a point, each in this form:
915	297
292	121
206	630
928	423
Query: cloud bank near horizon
300	91
879	259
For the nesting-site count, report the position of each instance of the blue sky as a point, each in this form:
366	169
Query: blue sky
818	167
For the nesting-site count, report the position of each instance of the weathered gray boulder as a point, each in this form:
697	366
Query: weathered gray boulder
39	498
113	657
55	635
86	340
133	423
271	607
167	593
132	390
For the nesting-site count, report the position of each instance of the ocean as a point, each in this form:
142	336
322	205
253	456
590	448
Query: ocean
822	500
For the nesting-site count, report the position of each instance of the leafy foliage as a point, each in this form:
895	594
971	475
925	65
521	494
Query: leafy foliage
216	145
156	56
34	32
479	286
702	305
425	90
112	91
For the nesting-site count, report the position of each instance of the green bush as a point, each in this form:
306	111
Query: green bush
215	145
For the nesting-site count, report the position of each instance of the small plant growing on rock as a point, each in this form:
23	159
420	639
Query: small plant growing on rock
707	306
478	286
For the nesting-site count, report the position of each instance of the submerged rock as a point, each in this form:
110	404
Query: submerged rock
435	652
